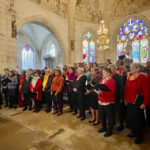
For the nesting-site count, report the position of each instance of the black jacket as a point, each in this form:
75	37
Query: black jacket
48	84
25	86
119	87
80	84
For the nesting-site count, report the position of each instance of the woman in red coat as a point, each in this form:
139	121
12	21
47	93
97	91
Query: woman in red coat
36	90
136	98
106	102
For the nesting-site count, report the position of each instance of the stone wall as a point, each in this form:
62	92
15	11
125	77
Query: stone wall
8	55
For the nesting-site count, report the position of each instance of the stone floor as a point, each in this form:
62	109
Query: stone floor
30	131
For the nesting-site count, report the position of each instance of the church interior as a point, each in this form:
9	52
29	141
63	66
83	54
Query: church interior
43	35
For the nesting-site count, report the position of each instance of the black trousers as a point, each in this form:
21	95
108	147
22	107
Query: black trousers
120	112
27	101
0	98
48	100
58	102
6	97
148	115
71	96
79	103
12	97
107	115
37	104
135	120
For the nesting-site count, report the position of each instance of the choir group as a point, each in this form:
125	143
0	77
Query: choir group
113	93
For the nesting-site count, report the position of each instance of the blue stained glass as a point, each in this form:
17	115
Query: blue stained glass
135	28
126	30
145	28
123	37
88	35
131	22
131	35
137	21
141	22
121	29
92	51
135	50
139	34
144	49
27	58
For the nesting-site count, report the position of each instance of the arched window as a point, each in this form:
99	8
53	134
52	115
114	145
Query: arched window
51	49
27	58
132	40
88	48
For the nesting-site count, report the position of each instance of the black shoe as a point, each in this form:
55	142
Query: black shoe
138	140
6	105
47	110
91	121
108	133
0	107
82	118
130	135
79	116
34	110
102	130
69	111
24	109
30	108
15	107
120	128
95	124
75	113
38	110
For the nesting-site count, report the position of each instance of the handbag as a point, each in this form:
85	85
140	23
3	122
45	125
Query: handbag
34	95
139	100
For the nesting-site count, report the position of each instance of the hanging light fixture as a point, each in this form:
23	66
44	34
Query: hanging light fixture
103	38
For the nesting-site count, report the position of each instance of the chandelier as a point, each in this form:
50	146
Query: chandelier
103	38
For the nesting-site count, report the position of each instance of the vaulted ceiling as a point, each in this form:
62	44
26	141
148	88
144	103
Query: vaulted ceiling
91	10
36	33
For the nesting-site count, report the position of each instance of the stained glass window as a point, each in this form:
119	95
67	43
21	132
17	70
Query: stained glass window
51	49
85	51
88	48
27	58
132	40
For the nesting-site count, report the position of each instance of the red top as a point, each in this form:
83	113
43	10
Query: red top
37	88
139	85
108	97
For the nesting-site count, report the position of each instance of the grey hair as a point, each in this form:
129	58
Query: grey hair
137	66
112	66
81	70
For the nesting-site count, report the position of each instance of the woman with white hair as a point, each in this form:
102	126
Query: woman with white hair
136	98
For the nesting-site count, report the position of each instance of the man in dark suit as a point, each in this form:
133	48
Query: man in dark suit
48	77
26	92
119	102
79	89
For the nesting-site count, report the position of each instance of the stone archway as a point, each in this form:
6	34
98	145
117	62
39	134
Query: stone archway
43	22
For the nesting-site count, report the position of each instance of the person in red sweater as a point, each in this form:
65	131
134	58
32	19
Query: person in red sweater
106	102
136	97
57	91
36	87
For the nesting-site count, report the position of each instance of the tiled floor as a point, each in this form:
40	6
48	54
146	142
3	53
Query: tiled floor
30	131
